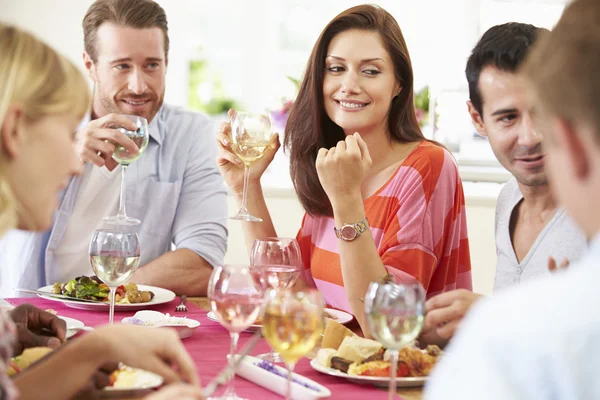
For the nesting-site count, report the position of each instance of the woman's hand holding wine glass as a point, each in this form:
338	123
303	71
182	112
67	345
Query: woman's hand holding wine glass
246	148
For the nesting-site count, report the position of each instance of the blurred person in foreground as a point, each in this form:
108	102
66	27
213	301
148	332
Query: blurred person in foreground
540	340
534	234
42	98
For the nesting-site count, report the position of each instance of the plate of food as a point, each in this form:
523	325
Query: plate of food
89	293
365	361
127	382
184	326
73	325
339	316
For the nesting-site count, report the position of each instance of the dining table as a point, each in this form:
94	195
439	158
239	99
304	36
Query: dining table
209	346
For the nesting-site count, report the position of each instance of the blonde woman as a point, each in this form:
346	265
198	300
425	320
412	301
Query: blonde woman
42	98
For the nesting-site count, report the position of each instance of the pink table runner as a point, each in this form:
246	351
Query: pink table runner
209	346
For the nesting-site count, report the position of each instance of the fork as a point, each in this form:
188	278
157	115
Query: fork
181	307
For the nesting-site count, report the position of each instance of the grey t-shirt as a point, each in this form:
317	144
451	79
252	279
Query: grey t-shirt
560	238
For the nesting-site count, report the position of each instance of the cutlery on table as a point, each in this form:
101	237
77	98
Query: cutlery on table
182	307
231	368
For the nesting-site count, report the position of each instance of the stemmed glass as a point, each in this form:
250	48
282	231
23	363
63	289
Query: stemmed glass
140	137
250	138
293	322
276	263
115	256
395	315
236	299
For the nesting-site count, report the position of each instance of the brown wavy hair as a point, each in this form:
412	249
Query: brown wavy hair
309	128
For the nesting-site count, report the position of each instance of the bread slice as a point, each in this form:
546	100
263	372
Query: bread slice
334	334
356	349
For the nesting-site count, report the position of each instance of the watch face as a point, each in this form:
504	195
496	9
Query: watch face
348	232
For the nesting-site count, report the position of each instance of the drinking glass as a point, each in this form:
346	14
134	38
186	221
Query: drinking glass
395	315
293	322
140	137
276	263
236	299
250	138
115	256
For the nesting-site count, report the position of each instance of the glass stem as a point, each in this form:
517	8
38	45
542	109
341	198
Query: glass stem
393	373
245	191
122	213
230	392
288	390
111	314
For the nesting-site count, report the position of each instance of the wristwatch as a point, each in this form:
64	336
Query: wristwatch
349	232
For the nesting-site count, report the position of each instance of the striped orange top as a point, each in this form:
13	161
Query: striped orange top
418	222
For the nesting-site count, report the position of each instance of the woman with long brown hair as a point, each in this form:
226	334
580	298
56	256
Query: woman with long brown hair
379	197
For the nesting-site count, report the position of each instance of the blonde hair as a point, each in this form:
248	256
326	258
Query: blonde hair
564	65
44	83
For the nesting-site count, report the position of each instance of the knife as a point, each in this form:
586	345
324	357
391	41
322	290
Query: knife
221	378
59	296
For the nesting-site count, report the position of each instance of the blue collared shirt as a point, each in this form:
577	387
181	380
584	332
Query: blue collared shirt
174	188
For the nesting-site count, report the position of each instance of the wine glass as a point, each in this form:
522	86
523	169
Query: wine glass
293	322
115	256
140	137
276	263
395	315
236	299
250	138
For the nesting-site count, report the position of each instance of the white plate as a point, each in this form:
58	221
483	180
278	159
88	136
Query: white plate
185	327
72	323
340	316
276	383
161	296
145	381
368	380
252	328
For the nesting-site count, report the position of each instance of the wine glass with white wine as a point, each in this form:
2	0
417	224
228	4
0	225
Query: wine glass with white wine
395	315
236	298
293	322
275	263
250	138
115	256
140	137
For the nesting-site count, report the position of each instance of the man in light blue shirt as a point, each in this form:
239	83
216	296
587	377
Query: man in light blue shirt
541	340
174	188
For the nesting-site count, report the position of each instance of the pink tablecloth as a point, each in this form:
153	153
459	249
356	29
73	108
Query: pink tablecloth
209	346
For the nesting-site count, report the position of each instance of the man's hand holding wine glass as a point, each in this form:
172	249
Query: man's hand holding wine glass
96	141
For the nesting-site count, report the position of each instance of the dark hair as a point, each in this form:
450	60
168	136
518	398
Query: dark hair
309	128
138	14
502	46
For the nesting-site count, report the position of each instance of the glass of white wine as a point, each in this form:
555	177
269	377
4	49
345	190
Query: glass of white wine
115	256
395	315
250	138
275	263
293	322
236	299
140	137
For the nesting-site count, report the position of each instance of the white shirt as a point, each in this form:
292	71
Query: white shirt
540	340
98	197
561	238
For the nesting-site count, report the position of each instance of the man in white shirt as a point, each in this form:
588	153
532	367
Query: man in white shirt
174	188
541	340
531	230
